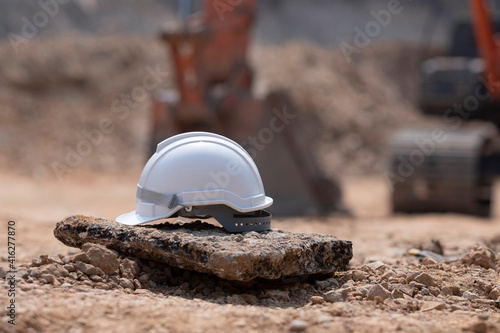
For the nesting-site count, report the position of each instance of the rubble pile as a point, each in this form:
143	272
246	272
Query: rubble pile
98	267
413	287
426	286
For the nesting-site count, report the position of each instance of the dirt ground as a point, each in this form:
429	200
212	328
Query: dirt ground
380	243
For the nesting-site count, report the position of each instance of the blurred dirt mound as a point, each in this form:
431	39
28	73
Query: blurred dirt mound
57	95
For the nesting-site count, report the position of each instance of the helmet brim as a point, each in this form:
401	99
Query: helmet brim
132	218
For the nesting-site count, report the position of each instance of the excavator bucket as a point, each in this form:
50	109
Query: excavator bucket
288	168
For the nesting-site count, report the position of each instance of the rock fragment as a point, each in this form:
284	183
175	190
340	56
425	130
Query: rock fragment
102	257
405	289
339	295
425	279
43	259
88	269
377	265
280	295
96	278
469	296
126	283
479	327
358	275
82	256
378	291
144	278
237	300
481	257
129	268
328	283
137	284
450	290
50	279
494	294
428	261
317	300
57	270
56	259
428	306
210	249
250	299
396	293
70	268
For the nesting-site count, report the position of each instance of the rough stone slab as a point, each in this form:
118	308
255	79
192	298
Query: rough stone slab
206	248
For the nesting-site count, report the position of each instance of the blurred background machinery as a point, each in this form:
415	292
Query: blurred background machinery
214	93
452	168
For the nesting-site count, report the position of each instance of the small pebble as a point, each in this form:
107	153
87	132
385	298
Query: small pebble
425	279
483	316
317	300
429	262
126	283
479	327
470	296
378	291
298	326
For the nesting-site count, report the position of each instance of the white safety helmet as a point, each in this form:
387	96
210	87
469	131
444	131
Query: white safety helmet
201	174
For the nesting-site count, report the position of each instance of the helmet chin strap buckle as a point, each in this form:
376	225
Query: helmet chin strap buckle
231	220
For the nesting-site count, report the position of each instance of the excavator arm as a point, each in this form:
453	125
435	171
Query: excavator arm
487	44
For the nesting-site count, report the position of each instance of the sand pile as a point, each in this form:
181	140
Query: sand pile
90	96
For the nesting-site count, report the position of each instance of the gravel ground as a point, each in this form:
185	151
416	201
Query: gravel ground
384	290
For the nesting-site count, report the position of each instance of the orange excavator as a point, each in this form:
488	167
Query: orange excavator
451	167
214	93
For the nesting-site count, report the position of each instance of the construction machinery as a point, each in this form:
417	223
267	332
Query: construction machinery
214	93
451	167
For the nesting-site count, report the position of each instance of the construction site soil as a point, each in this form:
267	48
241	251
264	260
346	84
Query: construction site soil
56	93
64	289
